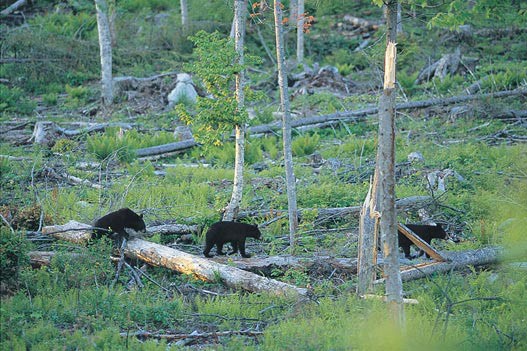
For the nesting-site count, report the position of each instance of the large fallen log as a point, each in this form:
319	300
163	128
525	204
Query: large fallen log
166	148
362	114
206	269
267	265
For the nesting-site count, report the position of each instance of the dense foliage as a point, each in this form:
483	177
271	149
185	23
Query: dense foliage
50	71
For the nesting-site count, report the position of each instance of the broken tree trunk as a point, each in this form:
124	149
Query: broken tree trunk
72	231
205	269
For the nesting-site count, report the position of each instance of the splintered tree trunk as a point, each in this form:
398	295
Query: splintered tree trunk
367	258
184	15
233	207
105	46
386	174
300	32
286	125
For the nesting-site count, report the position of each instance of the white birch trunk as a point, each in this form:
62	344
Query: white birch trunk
105	47
286	125
300	32
233	207
184	14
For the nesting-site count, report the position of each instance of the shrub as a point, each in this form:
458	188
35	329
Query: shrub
305	144
14	250
13	100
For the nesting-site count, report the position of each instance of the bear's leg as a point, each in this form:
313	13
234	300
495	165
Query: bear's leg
219	248
241	245
208	247
234	244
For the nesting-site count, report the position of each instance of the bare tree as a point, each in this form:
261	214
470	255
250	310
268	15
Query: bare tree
184	14
105	46
300	31
286	124
233	207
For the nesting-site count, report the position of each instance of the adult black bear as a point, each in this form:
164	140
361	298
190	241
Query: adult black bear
425	232
116	222
221	232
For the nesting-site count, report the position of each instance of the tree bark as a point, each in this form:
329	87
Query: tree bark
385	173
184	15
105	47
300	32
206	269
231	212
367	251
286	125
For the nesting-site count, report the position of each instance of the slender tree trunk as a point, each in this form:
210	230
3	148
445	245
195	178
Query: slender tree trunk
105	46
300	32
184	15
104	27
386	174
286	125
233	207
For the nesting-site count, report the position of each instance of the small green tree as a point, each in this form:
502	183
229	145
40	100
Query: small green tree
220	64
215	66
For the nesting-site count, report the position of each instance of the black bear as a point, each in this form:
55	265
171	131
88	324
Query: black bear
425	232
221	232
116	222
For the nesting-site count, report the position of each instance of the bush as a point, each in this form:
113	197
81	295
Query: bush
305	145
14	250
13	100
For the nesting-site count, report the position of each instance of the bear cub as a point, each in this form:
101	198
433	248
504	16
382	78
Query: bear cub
425	232
116	222
234	232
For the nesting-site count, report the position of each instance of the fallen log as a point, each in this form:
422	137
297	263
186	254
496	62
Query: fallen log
72	231
205	269
15	6
362	114
266	265
326	214
179	146
459	260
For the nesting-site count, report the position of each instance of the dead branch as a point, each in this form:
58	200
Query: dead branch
174	229
205	269
179	146
362	114
325	214
13	7
195	335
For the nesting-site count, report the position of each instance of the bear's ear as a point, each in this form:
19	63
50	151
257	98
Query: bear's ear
141	216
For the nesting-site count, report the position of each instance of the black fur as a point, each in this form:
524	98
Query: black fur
235	233
116	222
425	232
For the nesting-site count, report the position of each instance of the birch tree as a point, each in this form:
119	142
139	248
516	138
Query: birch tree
286	124
300	31
105	47
184	15
233	207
